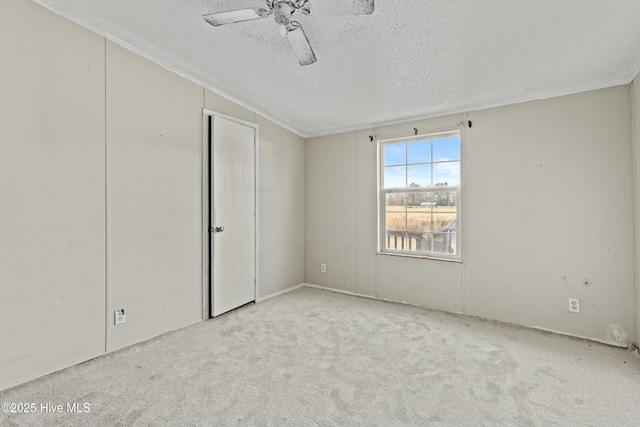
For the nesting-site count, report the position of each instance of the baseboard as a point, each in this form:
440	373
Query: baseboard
277	294
354	294
629	346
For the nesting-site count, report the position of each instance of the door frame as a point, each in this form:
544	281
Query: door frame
207	268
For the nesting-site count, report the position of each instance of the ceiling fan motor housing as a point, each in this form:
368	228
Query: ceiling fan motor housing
283	12
284	9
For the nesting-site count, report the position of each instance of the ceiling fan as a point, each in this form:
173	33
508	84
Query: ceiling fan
283	11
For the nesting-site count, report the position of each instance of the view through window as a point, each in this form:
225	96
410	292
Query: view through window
420	195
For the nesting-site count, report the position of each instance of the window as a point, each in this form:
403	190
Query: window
420	195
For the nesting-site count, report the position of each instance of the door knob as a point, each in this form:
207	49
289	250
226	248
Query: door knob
219	229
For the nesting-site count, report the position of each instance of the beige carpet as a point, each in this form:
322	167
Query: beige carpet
316	358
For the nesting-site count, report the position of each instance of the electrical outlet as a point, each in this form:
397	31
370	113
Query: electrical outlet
323	268
618	334
119	316
574	305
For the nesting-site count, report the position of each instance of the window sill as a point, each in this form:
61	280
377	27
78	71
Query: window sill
424	257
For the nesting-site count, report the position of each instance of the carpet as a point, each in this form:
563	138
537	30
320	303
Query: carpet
317	358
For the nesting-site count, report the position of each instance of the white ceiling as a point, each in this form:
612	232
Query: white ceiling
409	59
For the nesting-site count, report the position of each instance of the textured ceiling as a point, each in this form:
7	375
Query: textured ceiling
409	59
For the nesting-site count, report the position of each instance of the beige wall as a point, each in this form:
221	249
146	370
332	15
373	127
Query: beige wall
635	93
556	177
548	202
52	218
282	208
154	147
101	176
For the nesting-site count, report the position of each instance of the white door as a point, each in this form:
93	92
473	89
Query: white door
233	254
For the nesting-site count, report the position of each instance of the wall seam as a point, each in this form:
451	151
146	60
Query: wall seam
463	161
377	209
107	285
356	203
634	157
306	209
304	214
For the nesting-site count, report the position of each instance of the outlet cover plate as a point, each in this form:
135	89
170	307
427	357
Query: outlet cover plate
119	317
574	305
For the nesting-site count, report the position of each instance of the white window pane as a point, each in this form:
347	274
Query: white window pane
395	177
445	201
396	221
447	148
419	176
395	154
419	151
420	211
445	243
422	222
413	200
446	174
419	222
444	222
424	200
395	239
425	244
396	202
395	218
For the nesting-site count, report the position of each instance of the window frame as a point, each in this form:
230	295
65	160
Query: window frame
382	192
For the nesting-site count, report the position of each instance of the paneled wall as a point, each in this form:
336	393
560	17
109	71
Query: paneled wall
52	193
101	186
154	149
282	208
549	192
548	202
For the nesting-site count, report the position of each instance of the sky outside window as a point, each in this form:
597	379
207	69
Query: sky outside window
425	163
447	148
395	154
419	151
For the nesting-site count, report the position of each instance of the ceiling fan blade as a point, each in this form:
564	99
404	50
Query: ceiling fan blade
233	16
344	7
300	44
